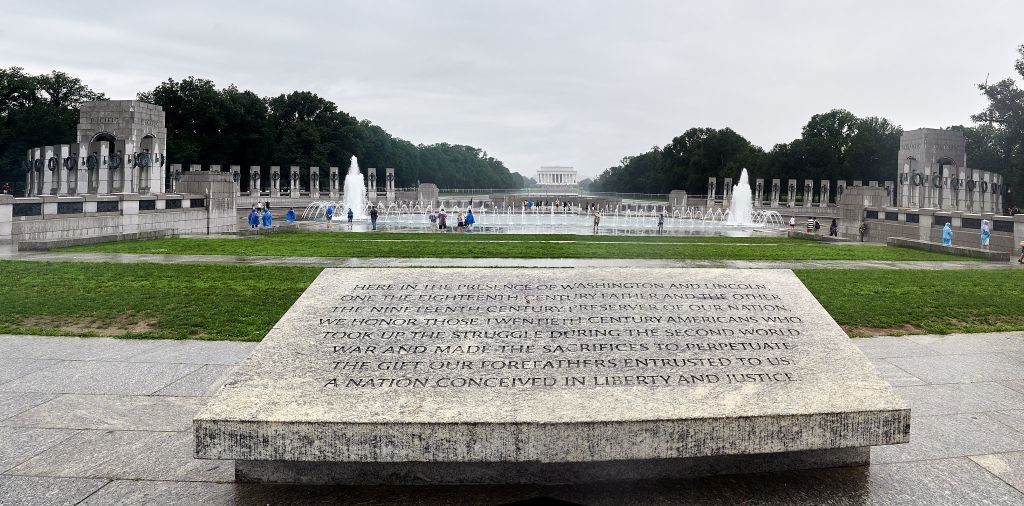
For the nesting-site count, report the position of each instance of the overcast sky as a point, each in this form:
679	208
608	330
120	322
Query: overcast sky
555	82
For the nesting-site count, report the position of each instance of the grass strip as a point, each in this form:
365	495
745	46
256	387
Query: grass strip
242	303
224	302
893	302
399	245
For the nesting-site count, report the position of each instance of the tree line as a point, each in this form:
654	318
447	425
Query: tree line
833	145
229	126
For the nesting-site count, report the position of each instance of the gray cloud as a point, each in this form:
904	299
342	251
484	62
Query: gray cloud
533	82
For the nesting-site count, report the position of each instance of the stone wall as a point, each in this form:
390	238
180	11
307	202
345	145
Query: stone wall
53	221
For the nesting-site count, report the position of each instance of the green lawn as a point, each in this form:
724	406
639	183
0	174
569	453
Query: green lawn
879	301
413	245
147	300
243	302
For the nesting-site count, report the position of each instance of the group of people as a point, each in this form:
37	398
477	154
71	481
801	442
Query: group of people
260	215
462	221
350	216
529	204
985	236
813	226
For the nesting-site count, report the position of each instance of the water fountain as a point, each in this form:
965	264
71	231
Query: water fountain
355	194
742	206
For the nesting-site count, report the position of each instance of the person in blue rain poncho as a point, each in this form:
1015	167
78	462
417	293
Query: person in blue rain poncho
470	220
267	219
986	234
947	235
254	219
290	215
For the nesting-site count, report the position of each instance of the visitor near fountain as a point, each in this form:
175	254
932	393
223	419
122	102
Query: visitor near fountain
442	220
350	215
470	220
986	234
947	235
329	214
289	217
661	223
373	218
833	229
267	219
597	220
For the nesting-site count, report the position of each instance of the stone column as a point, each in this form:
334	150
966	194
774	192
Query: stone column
293	172
371	186
890	193
103	178
49	167
823	193
791	195
60	174
254	180
857	182
30	168
712	186
335	181
726	192
214	168
236	177
776	190
314	182
986	189
174	175
808	192
7	224
195	167
997	197
389	177
759	192
78	175
275	181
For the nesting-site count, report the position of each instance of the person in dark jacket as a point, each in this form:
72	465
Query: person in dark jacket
373	217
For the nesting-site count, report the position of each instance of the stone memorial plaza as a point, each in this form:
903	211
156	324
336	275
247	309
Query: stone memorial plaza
429	379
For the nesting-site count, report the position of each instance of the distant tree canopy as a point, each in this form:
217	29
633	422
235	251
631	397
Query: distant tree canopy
835	144
37	110
1000	138
229	126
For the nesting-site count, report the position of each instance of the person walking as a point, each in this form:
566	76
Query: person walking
1020	260
442	220
350	216
470	219
267	218
254	219
810	225
792	221
289	217
373	218
833	229
986	234
460	222
661	223
597	220
947	235
329	214
817	226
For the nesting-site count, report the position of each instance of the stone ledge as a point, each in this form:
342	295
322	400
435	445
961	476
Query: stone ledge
77	241
800	234
994	256
467	473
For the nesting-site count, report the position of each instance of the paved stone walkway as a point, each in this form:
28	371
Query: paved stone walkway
499	262
105	421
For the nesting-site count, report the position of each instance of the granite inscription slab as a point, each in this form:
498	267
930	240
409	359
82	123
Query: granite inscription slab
420	367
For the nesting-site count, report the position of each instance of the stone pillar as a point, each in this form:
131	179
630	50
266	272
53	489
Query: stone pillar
775	191
791	196
712	186
214	168
174	176
314	182
759	192
293	173
254	180
236	177
76	172
823	193
986	191
924	226
104	179
275	181
49	167
30	169
808	192
998	195
195	167
7	224
371	185
389	176
60	173
335	181
726	192
857	182
890	193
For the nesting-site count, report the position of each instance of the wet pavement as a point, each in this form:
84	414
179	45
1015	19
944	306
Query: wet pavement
107	421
